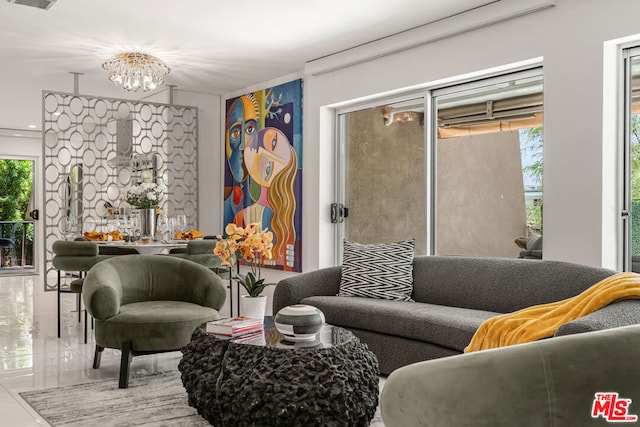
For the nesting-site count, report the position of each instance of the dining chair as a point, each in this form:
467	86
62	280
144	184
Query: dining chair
75	258
201	252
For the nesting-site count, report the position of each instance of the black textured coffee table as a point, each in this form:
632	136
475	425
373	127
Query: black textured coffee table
269	382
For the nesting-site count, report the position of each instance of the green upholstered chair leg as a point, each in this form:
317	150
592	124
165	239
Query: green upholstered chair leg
125	364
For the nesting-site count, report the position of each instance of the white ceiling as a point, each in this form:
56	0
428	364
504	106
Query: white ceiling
211	46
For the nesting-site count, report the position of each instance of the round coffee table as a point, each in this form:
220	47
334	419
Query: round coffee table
266	381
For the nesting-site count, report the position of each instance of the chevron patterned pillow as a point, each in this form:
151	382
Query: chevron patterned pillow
380	270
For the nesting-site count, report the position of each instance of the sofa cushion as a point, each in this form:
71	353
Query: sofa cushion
450	327
154	325
380	270
500	285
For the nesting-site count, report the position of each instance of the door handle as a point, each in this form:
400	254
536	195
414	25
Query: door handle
338	213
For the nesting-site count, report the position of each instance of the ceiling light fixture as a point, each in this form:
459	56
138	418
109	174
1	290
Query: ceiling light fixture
40	4
136	70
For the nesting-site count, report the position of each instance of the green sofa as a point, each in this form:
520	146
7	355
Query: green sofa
552	382
148	304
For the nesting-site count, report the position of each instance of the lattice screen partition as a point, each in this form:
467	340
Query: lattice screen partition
82	142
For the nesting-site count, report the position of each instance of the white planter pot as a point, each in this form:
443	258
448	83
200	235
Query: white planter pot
253	307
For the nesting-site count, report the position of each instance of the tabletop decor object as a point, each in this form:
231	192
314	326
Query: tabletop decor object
97	236
145	197
234	326
189	235
253	245
299	322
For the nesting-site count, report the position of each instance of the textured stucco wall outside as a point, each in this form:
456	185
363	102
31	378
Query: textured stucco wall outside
480	195
480	198
385	187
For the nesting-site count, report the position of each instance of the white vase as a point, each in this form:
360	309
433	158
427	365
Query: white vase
253	307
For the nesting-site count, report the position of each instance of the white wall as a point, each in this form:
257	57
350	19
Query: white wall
570	38
210	158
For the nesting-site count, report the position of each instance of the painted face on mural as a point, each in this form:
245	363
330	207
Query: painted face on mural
241	125
266	154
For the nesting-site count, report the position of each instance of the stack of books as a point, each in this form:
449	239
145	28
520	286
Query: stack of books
234	326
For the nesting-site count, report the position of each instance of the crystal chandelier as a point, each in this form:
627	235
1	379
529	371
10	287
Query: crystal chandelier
136	70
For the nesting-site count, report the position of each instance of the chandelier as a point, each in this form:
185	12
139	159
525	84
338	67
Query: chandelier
136	70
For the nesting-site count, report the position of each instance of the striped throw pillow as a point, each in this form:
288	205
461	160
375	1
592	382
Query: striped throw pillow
380	270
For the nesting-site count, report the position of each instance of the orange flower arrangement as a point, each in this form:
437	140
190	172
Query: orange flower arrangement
251	244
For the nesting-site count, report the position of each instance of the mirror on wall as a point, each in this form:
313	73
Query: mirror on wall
72	197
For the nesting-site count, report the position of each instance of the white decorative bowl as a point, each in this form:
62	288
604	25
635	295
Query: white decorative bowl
299	322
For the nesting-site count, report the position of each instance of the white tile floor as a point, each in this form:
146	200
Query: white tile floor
32	357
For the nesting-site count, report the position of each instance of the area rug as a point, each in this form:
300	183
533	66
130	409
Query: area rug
157	400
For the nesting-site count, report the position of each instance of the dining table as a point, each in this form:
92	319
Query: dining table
147	248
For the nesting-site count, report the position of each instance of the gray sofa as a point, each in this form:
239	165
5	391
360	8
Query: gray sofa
453	296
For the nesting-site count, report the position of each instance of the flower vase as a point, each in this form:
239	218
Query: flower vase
147	224
254	307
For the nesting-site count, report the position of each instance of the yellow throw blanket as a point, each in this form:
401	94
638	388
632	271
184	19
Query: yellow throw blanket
542	321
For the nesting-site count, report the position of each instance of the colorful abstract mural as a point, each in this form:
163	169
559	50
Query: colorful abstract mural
263	171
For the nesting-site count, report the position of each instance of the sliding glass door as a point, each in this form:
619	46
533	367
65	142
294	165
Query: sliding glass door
383	186
458	168
488	160
631	161
16	211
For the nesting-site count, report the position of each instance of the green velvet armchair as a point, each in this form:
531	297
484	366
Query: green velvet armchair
575	380
149	304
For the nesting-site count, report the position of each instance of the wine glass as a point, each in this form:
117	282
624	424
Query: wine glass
68	227
171	224
135	228
181	223
112	225
123	227
162	226
89	225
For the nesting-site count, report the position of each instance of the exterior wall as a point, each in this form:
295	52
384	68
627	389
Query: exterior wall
480	197
385	185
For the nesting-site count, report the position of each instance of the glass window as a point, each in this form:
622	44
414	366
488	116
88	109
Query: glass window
631	160
488	154
383	170
466	182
